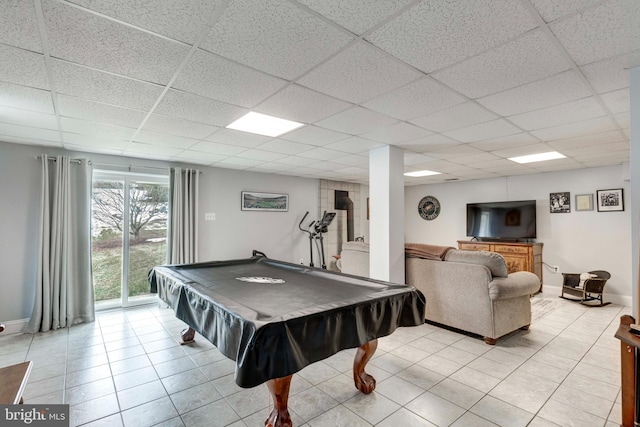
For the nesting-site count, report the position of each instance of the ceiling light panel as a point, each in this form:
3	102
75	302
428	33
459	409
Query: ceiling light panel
540	157
418	174
263	124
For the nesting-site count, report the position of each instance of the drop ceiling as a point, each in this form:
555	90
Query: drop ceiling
460	85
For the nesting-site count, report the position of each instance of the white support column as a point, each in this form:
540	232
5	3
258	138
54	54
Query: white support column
386	226
634	80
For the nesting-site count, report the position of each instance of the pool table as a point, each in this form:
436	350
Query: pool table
273	318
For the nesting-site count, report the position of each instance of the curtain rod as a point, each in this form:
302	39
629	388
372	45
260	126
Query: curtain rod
134	166
54	159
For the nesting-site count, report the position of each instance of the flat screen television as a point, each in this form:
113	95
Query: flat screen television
502	220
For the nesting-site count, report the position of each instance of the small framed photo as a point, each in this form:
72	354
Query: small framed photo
610	200
274	202
560	202
584	202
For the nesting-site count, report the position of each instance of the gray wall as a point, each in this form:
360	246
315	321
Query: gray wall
575	241
234	233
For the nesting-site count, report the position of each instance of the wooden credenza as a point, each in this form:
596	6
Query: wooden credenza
518	256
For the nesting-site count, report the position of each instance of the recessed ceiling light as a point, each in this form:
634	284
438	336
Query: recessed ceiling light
551	155
417	174
263	124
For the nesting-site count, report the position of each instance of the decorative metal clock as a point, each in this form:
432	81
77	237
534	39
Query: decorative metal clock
429	208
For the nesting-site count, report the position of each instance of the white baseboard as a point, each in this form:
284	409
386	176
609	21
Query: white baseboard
15	326
624	300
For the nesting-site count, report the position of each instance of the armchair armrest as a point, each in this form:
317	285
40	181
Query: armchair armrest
515	285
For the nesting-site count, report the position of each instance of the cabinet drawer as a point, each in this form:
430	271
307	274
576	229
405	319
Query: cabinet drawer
511	249
473	246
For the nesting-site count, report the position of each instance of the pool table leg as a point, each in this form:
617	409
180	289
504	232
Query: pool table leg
363	381
279	389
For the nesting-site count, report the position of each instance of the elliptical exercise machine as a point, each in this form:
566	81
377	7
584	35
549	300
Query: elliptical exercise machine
315	230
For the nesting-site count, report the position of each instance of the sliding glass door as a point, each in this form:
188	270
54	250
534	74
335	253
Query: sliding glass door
129	235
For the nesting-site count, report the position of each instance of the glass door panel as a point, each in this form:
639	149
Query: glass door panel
129	235
148	209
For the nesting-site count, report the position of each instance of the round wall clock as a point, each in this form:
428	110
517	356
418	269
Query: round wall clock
429	208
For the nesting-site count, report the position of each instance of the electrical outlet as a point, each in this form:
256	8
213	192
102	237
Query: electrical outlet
556	269
210	217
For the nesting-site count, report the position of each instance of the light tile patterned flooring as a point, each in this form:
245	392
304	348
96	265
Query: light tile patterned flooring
127	369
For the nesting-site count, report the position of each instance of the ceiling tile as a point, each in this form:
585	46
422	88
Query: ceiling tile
283	146
609	29
359	73
18	25
92	128
432	35
218	78
95	85
17	116
475	160
433	142
181	127
563	87
550	166
239	138
397	133
27	98
321	153
92	141
296	161
354	144
623	119
265	156
189	155
457	151
29	132
523	150
550	10
618	101
353	160
462	115
204	110
152	150
597	149
505	142
239	162
572	130
611	74
526	59
180	20
85	38
217	148
329	166
587	140
314	135
163	139
30	141
415	159
271	167
488	130
574	111
266	34
603	159
356	120
356	15
418	98
94	149
97	112
301	104
23	67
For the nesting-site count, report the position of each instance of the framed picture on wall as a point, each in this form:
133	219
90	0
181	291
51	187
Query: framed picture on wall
584	202
274	202
560	202
610	200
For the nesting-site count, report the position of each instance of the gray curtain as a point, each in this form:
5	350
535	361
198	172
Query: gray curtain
183	217
64	286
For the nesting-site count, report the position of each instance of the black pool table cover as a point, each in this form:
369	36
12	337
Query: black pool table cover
272	330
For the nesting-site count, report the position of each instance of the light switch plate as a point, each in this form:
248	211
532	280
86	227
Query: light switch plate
210	216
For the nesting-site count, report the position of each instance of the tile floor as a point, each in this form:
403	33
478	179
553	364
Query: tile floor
127	369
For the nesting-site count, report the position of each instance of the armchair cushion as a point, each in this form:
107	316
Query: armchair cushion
516	285
492	260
